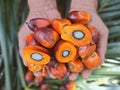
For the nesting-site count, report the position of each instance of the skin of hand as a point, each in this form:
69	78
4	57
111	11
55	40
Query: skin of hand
90	6
37	9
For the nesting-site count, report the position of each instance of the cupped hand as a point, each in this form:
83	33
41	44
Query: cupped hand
90	6
102	39
24	30
51	13
101	43
37	9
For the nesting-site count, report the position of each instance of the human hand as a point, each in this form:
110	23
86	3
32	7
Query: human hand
38	9
90	6
48	10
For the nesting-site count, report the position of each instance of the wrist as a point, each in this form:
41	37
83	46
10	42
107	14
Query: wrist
41	5
49	14
85	5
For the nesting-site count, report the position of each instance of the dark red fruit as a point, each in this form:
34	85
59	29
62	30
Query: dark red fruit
80	17
36	23
29	77
38	80
46	36
45	86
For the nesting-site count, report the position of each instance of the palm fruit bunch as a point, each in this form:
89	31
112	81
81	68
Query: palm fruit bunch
57	48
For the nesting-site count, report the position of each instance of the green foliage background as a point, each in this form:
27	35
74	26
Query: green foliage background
13	14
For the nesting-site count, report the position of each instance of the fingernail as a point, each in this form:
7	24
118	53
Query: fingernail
37	74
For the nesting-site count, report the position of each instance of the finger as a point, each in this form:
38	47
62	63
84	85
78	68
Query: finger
86	73
73	76
102	46
24	31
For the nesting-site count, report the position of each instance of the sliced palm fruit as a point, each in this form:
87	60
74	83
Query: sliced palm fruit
35	55
35	67
58	24
77	34
65	52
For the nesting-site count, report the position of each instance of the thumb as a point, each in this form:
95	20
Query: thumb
103	35
102	46
86	73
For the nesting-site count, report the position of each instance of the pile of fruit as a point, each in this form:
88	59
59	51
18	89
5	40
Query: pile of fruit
61	46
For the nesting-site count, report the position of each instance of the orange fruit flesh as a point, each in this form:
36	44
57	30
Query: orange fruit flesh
36	57
65	52
58	24
77	34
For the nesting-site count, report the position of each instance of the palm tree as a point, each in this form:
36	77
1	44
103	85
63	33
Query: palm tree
13	14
